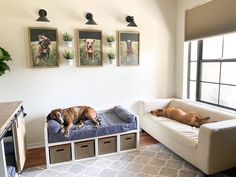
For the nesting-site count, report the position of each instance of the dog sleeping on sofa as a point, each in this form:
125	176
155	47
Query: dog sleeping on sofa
179	115
73	115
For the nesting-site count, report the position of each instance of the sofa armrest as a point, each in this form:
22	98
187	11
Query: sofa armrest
217	146
148	105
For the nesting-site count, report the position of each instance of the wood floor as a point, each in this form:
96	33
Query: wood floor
36	157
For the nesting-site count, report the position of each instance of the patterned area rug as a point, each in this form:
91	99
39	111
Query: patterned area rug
150	161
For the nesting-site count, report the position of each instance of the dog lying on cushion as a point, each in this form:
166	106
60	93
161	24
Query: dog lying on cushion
179	115
73	115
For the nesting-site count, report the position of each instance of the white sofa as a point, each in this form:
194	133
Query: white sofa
211	148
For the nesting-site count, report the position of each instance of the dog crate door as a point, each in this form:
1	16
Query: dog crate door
84	149
107	145
128	141
60	153
19	134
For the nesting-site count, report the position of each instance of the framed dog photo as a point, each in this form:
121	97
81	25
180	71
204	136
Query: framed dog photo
43	47
128	48
90	47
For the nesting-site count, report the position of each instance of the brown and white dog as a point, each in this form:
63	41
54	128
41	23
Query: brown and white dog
89	48
129	49
179	115
44	49
73	115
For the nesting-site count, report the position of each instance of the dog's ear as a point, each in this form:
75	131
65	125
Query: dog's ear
59	110
48	117
159	110
94	40
154	112
84	40
48	41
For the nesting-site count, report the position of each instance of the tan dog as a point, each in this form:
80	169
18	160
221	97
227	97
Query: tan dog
129	50
89	48
73	115
44	49
179	115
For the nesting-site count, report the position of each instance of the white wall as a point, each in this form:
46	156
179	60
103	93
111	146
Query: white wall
181	63
42	90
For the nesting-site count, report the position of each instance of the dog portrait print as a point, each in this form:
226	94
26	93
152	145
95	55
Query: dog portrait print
128	48
90	48
43	47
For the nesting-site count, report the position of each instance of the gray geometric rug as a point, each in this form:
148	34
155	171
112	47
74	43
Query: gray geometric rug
149	161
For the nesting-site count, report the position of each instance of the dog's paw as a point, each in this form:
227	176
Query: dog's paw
80	126
62	130
66	134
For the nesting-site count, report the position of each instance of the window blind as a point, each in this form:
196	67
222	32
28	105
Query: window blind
213	18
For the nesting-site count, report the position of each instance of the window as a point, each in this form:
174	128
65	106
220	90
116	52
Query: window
212	70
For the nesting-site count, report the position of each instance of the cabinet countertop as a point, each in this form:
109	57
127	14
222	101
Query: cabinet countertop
7	111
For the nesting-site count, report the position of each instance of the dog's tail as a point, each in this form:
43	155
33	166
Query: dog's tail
205	118
201	121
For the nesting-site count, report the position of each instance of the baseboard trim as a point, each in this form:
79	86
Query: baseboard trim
35	145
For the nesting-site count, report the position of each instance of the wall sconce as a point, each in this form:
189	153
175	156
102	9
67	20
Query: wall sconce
130	20
42	14
89	17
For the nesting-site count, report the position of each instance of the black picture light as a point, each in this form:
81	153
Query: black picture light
89	17
130	20
42	16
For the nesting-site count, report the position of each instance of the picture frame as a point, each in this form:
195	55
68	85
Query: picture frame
90	48
128	48
43	45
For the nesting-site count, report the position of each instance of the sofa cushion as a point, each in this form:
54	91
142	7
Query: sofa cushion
203	110
185	134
